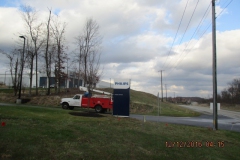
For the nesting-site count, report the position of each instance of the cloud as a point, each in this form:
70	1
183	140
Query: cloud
10	28
140	48
137	36
193	76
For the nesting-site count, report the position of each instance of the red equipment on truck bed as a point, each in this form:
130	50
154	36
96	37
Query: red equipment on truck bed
98	102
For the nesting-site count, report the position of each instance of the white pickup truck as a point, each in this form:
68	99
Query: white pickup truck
98	102
70	103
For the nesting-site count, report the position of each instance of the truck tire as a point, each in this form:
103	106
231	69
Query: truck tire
65	105
98	109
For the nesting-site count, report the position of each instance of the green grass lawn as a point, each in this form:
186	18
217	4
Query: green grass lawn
140	103
53	133
6	90
147	104
230	107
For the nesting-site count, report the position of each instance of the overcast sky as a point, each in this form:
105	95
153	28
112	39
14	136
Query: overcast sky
139	39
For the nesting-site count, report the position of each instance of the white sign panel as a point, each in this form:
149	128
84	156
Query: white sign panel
121	83
218	106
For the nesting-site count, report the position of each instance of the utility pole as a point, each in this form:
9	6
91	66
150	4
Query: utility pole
214	68
166	91
161	84
158	103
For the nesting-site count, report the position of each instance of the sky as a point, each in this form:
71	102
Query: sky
142	37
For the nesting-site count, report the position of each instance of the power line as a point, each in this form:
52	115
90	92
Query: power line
189	23
224	8
203	33
193	45
197	29
176	33
206	13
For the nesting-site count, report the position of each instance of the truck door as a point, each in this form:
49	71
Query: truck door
76	100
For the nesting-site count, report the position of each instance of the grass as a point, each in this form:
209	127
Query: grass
146	104
52	133
6	90
230	107
140	103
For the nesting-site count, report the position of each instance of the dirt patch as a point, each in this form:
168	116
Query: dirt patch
85	114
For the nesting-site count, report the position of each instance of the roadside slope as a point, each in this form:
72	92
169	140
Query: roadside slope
140	102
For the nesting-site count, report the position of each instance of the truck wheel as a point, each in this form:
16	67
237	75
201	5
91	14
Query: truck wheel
98	108
65	106
71	107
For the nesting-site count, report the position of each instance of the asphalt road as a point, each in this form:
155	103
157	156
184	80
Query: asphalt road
227	120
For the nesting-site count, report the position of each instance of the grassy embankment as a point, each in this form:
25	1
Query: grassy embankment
140	102
52	133
230	107
145	103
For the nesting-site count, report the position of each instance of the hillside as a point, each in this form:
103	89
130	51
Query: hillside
140	102
146	103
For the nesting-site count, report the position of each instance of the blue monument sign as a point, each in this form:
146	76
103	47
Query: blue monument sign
121	97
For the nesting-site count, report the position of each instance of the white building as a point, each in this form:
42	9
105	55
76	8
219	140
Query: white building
70	82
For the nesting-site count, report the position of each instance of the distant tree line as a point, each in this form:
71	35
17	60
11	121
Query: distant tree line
46	46
231	94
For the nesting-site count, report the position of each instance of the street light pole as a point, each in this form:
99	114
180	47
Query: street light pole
20	85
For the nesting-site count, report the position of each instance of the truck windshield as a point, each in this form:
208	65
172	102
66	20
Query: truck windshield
76	97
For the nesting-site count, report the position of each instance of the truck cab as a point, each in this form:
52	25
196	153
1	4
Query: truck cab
70	103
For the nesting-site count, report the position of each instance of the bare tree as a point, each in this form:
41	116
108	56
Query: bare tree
14	67
89	43
232	93
58	30
79	55
234	90
48	54
88	55
93	73
30	55
29	15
